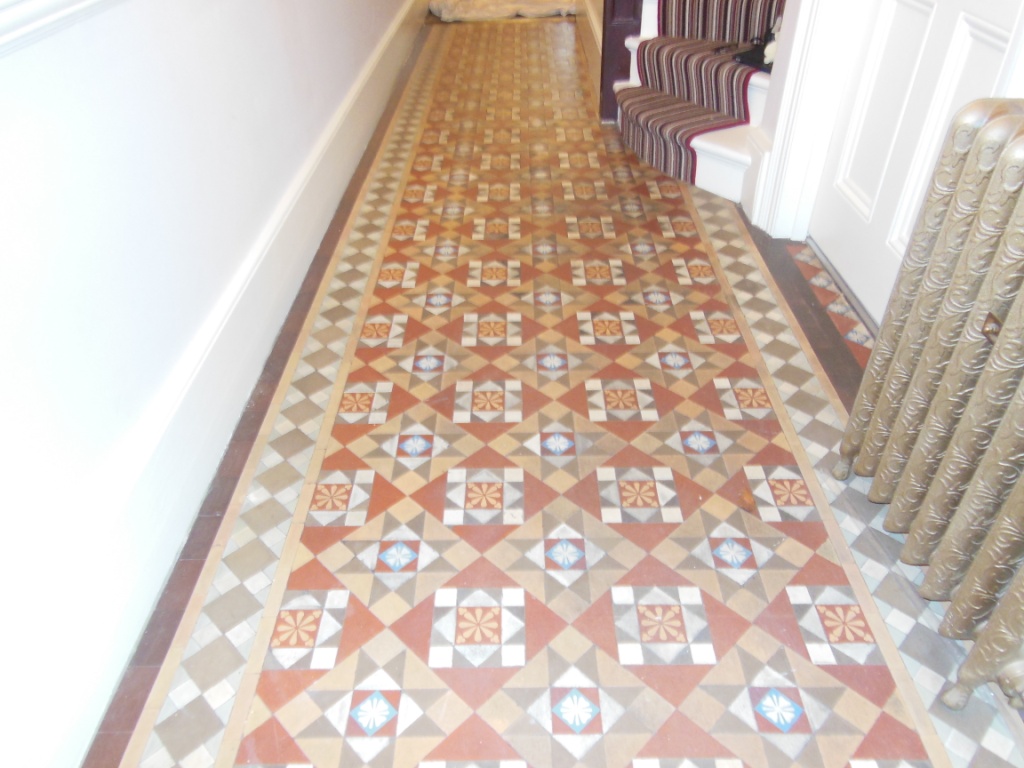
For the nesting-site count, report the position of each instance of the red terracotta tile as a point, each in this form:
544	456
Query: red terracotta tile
313	575
889	739
672	683
647	536
597	623
680	737
472	741
819	572
476	686
277	687
652	572
875	684
483	537
269	744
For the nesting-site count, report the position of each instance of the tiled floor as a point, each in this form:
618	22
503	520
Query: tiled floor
546	483
856	335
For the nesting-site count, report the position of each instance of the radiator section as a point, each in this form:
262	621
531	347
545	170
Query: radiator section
939	419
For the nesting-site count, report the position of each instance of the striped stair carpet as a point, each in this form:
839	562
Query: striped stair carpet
688	88
659	127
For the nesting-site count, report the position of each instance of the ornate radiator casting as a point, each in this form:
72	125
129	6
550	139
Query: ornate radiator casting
939	418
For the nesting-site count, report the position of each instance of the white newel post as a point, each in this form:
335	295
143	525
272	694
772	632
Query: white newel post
648	29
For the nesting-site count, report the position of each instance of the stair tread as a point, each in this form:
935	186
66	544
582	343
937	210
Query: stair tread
668	114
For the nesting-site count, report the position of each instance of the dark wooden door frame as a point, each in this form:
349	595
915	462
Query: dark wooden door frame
621	19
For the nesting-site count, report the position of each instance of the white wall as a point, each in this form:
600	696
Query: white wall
167	169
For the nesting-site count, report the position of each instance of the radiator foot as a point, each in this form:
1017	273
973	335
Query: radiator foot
957	630
936	584
1011	682
895	524
841	471
880	495
901	514
931	591
956	697
912	557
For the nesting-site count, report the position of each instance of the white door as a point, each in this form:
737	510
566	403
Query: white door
922	60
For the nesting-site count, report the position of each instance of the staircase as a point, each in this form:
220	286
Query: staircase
688	109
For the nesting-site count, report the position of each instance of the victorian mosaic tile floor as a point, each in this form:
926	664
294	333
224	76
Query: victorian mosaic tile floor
547	484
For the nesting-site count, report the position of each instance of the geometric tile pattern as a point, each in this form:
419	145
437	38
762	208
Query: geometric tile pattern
484	496
307	630
478	627
833	626
661	626
638	494
620	400
546	509
779	493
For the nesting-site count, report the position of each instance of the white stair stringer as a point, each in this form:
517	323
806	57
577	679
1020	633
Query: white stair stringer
724	156
723	159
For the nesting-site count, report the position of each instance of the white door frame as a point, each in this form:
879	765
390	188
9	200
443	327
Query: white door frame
789	151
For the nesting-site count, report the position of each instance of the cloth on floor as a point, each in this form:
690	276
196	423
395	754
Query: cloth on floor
479	10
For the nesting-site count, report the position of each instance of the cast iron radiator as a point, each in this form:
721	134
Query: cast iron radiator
939	418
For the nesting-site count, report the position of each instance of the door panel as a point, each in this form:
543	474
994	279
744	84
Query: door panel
975	55
921	61
879	111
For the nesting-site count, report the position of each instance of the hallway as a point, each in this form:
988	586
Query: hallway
546	483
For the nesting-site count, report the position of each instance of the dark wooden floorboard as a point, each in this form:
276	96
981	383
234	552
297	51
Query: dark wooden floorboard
828	343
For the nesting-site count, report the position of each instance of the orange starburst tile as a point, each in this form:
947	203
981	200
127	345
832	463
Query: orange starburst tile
661	623
638	493
296	629
723	326
376	331
620	399
356	402
484	495
494	273
478	626
492	329
394	274
790	492
607	328
488	401
332	496
749	397
701	271
844	624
